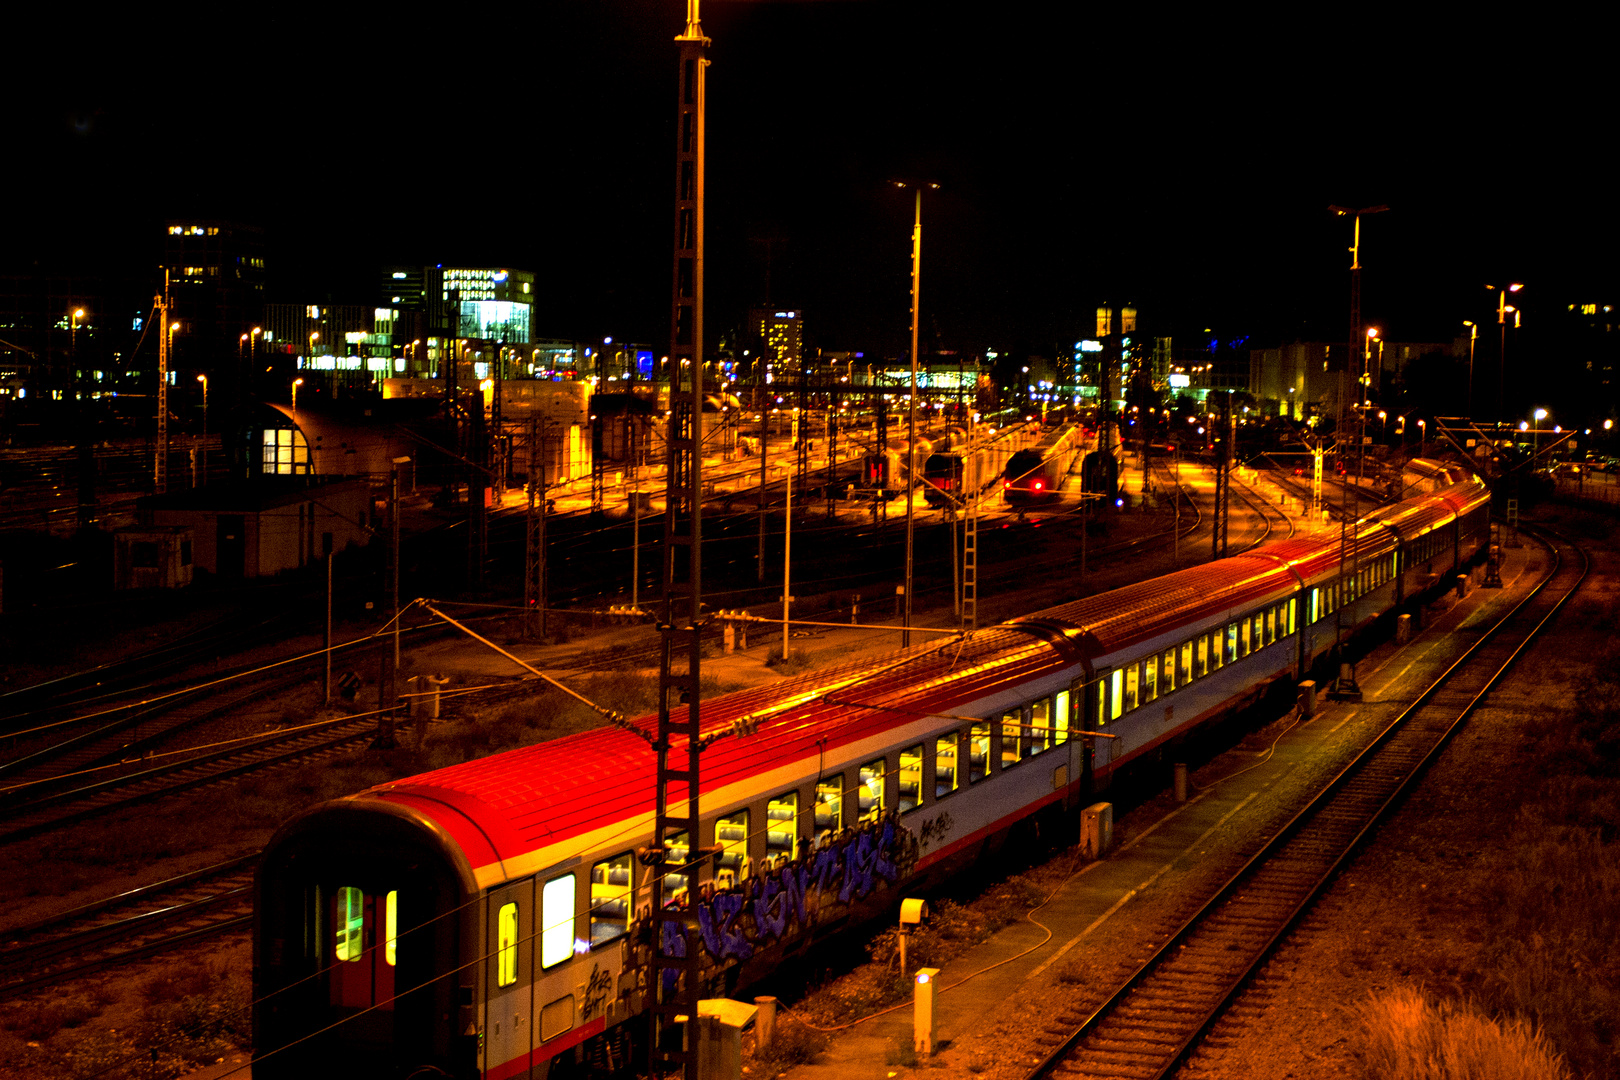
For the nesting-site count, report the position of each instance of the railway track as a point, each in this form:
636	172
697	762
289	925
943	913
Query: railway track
193	908
58	808
1153	1022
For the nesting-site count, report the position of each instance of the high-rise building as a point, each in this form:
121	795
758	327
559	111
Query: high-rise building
216	289
780	335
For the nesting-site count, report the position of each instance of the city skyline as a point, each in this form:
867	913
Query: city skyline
1074	169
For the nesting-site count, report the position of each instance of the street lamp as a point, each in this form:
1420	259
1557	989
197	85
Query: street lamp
1540	415
296	383
1502	309
911	409
203	452
1473	336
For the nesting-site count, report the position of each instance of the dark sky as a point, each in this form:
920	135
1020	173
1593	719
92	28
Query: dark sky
1129	155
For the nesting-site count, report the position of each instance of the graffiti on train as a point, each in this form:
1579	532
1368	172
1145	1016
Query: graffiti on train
732	923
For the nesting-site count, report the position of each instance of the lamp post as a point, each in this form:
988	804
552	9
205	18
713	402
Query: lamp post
203	451
296	383
911	405
1502	309
1535	436
1473	336
1355	281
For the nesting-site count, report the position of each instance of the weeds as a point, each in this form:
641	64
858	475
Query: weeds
796	662
1408	1038
795	1044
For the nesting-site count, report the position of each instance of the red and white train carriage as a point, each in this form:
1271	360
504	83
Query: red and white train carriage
485	919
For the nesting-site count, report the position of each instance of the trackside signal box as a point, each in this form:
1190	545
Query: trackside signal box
1096	830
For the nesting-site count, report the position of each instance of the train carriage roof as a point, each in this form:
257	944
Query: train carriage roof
540	796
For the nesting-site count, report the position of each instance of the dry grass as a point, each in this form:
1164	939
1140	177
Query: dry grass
1410	1038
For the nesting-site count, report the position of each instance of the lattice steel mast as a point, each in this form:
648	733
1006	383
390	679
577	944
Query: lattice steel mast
676	969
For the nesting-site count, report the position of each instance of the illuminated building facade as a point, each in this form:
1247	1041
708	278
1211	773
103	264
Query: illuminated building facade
780	335
216	287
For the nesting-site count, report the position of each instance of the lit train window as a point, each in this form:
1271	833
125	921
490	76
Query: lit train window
557	920
1167	677
1231	643
1012	724
1259	630
1271	625
1132	677
1039	735
871	792
1202	660
1116	694
1314	610
390	926
350	923
830	805
731	834
781	824
1060	716
675	884
1186	664
610	898
1150	680
1243	638
978	752
911	768
946	778
1293	604
507	936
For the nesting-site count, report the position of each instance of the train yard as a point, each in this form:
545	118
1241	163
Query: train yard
209	904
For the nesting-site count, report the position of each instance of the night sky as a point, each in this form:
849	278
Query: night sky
1125	155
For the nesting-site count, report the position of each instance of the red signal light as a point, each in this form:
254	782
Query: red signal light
1037	485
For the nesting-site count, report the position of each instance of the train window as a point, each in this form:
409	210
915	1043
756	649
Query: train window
830	805
1259	630
871	793
1012	724
1313	609
1039	736
1061	718
1150	679
978	752
390	926
350	923
1271	625
1231	643
506	922
557	920
1202	661
1167	677
781	824
1132	677
675	884
557	1018
911	770
1243	638
731	834
1293	604
946	778
610	899
1116	694
1186	667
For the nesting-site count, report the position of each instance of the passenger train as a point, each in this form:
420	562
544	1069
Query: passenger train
1036	474
490	919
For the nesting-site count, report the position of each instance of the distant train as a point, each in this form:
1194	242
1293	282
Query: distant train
956	473
1037	474
491	919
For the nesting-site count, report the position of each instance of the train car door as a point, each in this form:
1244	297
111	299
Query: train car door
509	980
362	931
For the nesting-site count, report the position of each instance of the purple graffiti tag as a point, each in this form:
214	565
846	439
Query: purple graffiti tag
716	919
771	909
883	859
827	866
674	941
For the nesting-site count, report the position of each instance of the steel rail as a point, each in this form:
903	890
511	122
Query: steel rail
1297	877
